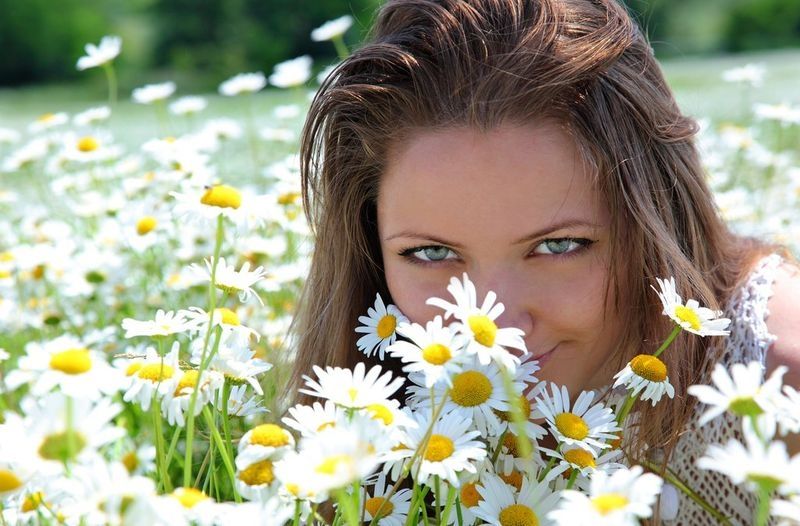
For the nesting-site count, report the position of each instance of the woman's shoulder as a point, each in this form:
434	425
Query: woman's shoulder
783	322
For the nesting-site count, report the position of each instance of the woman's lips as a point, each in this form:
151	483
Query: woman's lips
544	358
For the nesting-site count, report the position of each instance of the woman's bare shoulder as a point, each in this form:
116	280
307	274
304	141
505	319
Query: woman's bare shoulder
784	322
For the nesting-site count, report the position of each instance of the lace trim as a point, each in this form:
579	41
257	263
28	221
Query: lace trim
749	340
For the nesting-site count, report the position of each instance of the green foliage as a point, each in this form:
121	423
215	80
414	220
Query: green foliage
763	24
224	37
43	39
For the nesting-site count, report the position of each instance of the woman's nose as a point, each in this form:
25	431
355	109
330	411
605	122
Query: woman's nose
512	293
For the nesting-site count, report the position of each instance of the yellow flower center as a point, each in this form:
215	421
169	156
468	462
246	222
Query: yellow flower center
62	446
188	382
32	501
38	272
524	406
288	198
332	464
155	372
189	497
326	425
8	481
469	495
649	367
483	328
222	196
71	361
146	225
518	515
511	443
609	502
379	503
386	326
228	316
688	315
572	426
133	368
46	117
381	412
470	388
436	353
514	478
439	448
580	457
258	473
88	144
269	435
130	461
5	273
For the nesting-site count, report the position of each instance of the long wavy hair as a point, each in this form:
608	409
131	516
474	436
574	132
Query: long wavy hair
483	63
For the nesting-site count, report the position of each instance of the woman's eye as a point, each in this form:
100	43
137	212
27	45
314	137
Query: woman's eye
430	253
560	246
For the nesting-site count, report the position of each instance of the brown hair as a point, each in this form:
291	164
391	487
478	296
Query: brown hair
482	63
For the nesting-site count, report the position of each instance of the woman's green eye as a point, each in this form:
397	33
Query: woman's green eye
433	253
560	246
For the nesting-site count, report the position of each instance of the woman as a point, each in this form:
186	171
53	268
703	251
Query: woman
535	146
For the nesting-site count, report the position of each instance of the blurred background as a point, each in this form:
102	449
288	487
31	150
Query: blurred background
204	41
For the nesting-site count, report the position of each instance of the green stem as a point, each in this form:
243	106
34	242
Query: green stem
212	298
70	433
172	445
626	409
297	504
346	505
437	493
220	443
226	425
762	511
572	477
678	483
341	47
155	407
451	498
668	341
111	77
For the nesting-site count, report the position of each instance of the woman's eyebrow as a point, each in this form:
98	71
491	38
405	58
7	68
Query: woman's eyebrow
561	225
422	235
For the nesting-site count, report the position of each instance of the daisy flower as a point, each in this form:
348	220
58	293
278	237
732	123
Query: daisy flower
477	393
164	324
386	511
691	317
151	375
379	327
435	351
788	508
188	105
355	388
153	93
451	448
65	362
585	425
788	412
223	317
230	280
621	498
238	405
176	403
574	457
263	441
332	29
107	51
243	83
646	373
292	72
753	463
500	505
310	420
236	361
92	116
478	323
741	392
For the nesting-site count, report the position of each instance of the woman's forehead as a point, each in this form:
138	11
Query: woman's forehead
511	178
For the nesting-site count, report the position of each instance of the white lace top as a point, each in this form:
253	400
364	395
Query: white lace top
748	341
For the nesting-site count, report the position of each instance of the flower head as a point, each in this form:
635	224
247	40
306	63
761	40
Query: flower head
692	317
501	505
434	350
291	73
98	55
153	92
332	28
243	83
379	328
646	373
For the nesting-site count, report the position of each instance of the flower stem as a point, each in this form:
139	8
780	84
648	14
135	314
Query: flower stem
668	341
692	494
220	443
762	511
111	77
212	299
341	47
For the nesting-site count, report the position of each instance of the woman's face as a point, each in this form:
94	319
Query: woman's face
516	210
